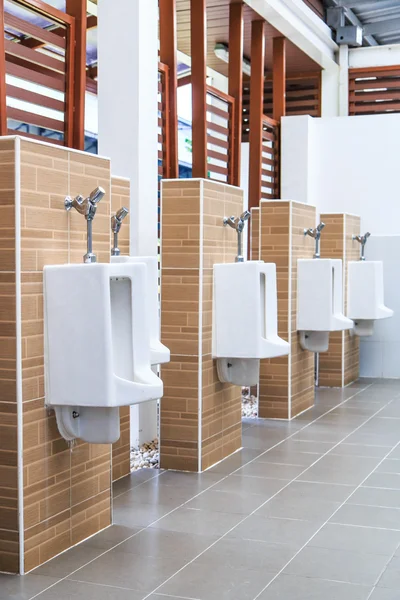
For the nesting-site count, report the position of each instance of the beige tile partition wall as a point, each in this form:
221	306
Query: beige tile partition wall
62	495
340	365
286	383
120	191
200	417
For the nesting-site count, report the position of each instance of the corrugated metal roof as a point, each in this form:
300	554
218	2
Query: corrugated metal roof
379	18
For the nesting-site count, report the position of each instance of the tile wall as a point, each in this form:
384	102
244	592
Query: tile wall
200	417
9	530
286	383
65	493
340	365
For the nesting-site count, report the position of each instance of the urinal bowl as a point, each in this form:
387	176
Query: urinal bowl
314	341
239	371
95	425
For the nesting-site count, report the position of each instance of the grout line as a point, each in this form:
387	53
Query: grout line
359	391
18	368
200	340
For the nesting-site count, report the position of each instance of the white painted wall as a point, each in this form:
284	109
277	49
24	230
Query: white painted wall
345	164
380	353
351	165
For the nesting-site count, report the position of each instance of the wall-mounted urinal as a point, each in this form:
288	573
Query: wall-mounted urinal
365	297
319	302
159	354
97	343
245	320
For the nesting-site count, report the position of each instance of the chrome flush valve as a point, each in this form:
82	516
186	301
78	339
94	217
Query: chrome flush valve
116	222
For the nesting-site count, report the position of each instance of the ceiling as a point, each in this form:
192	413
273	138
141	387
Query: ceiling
380	19
218	32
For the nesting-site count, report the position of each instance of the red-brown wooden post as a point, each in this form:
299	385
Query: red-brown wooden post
198	33
168	56
236	81
256	110
279	78
3	103
77	9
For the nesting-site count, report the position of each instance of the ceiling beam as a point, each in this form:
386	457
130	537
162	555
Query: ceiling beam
382	27
381	4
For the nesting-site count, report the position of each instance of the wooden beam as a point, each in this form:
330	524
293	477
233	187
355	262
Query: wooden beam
77	9
69	130
279	78
168	56
3	103
236	82
198	38
256	110
91	23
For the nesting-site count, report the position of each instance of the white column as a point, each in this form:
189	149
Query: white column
298	159
344	81
128	131
330	92
128	107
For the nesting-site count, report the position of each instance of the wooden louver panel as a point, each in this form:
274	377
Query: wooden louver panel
220	123
374	91
39	64
303	97
270	159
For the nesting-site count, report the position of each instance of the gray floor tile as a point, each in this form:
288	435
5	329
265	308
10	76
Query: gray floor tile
76	590
300	445
164	597
251	485
195	481
376	497
278	531
69	561
152	492
357	539
383	480
234	462
289	587
227	502
395	453
384	594
134	479
130	571
337	565
368	516
198	580
138	515
202	522
350	470
299	508
389	465
159	543
248	554
314	490
110	537
271	471
286	457
391	576
13	587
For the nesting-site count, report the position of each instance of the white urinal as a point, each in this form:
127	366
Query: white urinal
245	320
97	347
159	353
365	297
319	302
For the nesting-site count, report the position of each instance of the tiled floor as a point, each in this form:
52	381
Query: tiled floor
308	510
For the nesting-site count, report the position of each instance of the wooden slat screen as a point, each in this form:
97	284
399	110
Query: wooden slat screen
220	132
270	159
39	52
163	143
374	91
303	97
